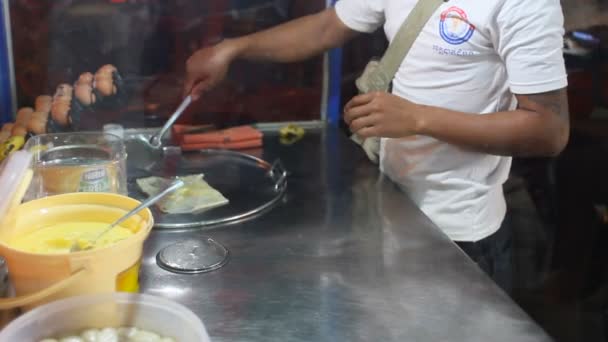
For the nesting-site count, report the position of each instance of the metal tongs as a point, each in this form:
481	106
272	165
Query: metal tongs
156	141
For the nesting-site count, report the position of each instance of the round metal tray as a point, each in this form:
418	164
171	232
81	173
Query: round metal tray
251	185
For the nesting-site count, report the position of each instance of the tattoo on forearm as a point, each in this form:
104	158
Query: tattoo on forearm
555	101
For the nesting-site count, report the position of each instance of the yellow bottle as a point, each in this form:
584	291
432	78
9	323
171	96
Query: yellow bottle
12	144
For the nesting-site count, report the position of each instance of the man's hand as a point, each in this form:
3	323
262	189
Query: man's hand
207	67
381	114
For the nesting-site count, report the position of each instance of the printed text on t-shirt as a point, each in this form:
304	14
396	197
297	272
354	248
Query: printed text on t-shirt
453	52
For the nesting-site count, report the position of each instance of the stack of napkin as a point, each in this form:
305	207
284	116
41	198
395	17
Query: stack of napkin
235	138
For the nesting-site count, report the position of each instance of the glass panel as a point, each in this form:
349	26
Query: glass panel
149	41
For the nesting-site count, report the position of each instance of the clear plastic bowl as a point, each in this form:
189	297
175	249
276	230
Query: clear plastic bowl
72	315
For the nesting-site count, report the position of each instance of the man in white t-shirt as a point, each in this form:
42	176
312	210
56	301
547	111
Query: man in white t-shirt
484	81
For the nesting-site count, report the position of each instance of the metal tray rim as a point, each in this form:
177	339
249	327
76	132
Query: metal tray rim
280	188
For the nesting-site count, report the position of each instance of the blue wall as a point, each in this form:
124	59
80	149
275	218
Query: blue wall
6	106
335	76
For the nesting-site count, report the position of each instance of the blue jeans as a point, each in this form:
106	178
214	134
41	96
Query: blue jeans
493	255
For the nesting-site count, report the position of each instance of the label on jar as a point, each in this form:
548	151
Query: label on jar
95	180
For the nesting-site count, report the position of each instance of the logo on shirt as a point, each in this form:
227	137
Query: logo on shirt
454	27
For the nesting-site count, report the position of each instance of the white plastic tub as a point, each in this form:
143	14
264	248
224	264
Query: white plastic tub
72	315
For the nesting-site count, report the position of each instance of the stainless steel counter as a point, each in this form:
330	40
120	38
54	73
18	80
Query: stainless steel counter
344	257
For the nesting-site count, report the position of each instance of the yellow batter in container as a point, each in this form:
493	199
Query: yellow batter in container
58	238
36	240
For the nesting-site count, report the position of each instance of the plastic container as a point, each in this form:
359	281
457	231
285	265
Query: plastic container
40	278
73	315
77	162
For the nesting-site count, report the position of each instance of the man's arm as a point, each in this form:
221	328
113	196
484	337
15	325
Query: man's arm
296	40
292	41
538	127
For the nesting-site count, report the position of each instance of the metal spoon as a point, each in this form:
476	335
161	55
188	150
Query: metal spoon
175	185
156	139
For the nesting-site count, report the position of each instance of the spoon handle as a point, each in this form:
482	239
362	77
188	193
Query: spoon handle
156	140
148	202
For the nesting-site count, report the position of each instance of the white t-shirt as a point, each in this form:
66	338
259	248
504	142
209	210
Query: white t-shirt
471	56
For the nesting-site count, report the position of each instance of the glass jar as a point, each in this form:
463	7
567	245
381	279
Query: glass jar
77	162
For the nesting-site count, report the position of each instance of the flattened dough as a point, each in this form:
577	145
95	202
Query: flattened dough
196	195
